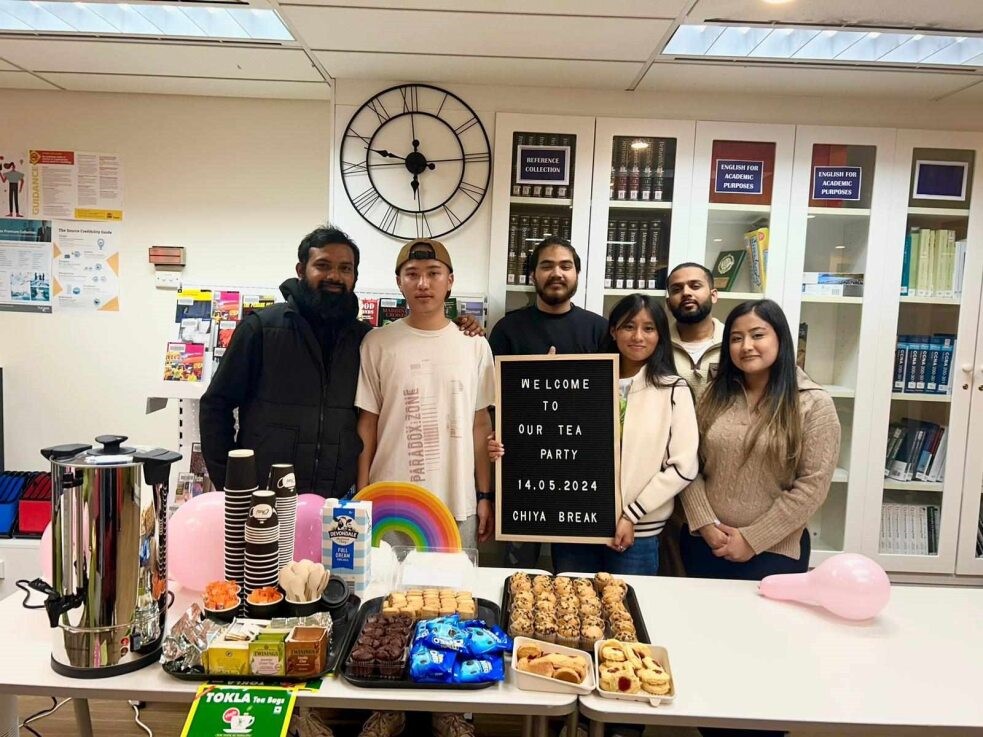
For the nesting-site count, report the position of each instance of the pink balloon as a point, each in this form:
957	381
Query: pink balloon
196	541
307	537
849	585
45	553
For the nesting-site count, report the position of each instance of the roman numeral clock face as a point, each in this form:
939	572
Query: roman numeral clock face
415	161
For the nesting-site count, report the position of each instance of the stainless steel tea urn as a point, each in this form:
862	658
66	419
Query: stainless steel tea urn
107	602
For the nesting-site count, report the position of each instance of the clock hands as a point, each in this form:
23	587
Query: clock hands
384	153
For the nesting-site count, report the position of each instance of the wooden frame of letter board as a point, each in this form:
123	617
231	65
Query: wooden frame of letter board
615	419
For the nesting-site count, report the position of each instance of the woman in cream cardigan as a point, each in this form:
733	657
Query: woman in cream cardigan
659	443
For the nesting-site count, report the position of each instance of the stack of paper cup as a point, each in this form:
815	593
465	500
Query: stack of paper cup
284	485
240	483
262	565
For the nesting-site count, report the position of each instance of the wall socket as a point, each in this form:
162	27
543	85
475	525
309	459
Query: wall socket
167	279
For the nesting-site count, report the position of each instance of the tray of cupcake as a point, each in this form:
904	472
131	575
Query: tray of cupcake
426	638
571	611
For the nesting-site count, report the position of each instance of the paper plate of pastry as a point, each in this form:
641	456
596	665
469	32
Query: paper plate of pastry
546	666
634	671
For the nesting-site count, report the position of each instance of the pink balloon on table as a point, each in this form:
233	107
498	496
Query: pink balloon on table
45	554
849	585
196	541
307	533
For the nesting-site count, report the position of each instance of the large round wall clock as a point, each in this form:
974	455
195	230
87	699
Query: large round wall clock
415	161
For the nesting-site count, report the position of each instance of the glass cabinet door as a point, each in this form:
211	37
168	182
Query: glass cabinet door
542	187
840	208
639	167
930	330
740	211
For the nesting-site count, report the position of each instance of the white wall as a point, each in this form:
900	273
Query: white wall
237	182
469	246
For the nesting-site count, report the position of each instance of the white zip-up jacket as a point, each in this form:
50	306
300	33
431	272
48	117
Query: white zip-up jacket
660	441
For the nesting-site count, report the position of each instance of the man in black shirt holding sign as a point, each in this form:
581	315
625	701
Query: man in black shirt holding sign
552	325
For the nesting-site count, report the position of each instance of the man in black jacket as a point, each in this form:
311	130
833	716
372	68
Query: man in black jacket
291	369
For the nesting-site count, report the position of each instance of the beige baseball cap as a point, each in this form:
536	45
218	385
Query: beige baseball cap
424	249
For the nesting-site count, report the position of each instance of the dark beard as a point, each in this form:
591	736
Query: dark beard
329	307
552	299
691	318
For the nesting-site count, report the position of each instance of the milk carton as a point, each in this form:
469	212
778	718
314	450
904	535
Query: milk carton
346	535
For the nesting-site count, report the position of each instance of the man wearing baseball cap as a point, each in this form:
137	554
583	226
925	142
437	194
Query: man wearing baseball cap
424	390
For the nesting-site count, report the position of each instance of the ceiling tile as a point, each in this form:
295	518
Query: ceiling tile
23	81
108	57
971	93
463	70
185	86
477	34
623	8
952	14
764	80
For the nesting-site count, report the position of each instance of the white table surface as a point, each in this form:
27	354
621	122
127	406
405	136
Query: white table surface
26	643
740	660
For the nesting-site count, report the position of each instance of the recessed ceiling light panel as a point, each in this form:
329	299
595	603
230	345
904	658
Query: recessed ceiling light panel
780	42
142	19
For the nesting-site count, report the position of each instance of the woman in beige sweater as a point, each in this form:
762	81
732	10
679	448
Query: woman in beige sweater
769	444
659	443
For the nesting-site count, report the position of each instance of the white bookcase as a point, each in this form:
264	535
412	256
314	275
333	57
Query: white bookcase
957	494
503	296
851	340
670	210
718	222
843	236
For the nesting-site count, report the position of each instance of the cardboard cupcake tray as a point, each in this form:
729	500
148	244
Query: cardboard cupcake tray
631	603
485	610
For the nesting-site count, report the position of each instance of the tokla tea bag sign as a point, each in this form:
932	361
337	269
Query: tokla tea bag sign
557	417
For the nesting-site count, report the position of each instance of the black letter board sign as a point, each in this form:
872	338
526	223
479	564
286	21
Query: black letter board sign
557	417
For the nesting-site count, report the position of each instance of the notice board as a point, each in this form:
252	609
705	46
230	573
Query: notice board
557	417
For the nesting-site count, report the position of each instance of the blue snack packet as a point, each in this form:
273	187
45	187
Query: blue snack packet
483	640
420	633
446	634
431	666
479	670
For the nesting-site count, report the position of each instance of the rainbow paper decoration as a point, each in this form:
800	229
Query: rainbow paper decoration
413	511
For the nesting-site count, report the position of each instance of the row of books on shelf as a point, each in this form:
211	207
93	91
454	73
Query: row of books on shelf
934	262
545	191
642	169
637	254
832	284
525	231
204	321
915	451
727	267
923	363
909	529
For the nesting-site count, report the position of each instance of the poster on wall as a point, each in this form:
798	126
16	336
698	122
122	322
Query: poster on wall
74	185
86	265
13	183
25	265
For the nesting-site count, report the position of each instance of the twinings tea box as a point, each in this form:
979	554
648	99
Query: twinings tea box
227	658
347	541
267	657
307	651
